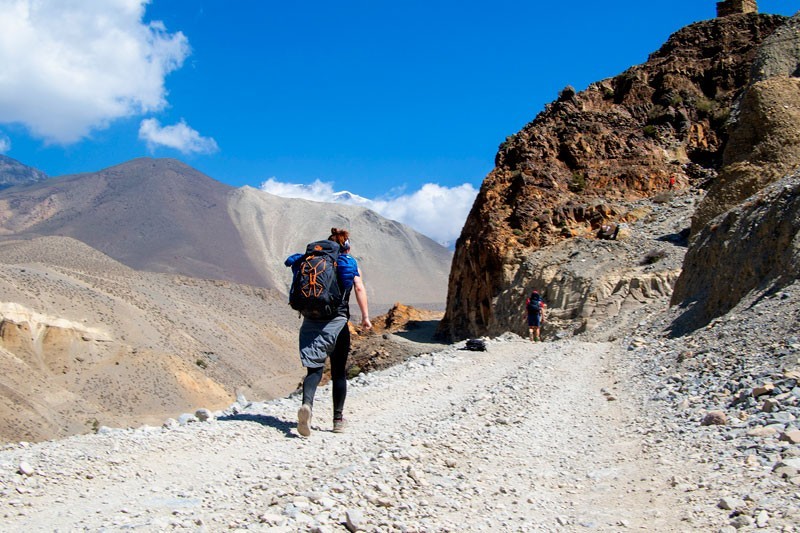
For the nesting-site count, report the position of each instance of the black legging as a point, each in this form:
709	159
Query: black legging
338	375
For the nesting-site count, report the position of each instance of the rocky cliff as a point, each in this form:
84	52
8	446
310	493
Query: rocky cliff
747	225
589	153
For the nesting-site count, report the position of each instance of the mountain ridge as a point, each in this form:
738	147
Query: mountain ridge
162	215
13	173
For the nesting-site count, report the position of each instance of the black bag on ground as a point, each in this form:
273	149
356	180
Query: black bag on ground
476	345
315	290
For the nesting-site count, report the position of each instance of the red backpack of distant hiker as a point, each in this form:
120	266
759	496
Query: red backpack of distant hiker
315	290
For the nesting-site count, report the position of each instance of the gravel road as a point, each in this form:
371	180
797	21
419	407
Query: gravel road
522	437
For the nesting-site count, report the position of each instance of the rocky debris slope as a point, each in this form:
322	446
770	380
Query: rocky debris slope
731	390
403	332
565	173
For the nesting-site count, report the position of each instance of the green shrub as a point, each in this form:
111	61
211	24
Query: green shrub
704	106
578	182
650	131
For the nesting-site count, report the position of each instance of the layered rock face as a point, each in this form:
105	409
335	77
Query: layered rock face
573	168
747	225
755	245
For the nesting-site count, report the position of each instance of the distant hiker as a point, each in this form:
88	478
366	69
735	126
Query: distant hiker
672	182
324	301
535	307
608	232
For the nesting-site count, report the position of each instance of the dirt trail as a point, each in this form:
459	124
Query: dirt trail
522	437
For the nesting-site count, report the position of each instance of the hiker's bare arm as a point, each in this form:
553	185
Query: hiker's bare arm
361	300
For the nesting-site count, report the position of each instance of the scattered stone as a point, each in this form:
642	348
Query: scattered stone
729	503
715	418
762	431
792	436
354	520
204	415
186	418
25	469
767	388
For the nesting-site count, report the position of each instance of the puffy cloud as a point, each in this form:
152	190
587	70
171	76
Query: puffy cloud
5	143
73	66
436	211
178	136
319	191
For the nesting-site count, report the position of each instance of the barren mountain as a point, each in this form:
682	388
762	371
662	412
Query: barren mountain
157	215
161	215
398	264
12	173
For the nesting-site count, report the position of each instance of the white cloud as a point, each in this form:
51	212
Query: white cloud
178	136
73	66
319	191
5	143
436	211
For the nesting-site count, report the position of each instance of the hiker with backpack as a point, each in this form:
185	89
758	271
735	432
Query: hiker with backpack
322	281
535	307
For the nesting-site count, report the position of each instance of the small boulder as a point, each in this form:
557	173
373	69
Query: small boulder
715	418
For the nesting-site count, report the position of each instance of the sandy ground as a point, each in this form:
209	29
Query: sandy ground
522	437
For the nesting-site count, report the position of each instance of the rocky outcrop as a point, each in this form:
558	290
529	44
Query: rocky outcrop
572	168
745	229
755	245
764	146
764	142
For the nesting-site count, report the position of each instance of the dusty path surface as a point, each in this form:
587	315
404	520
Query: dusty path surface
522	437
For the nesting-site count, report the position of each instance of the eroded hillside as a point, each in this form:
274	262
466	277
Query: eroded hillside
86	341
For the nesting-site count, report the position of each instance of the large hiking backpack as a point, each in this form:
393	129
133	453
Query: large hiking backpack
534	307
315	290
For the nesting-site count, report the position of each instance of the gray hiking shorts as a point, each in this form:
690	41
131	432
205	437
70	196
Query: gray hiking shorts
317	340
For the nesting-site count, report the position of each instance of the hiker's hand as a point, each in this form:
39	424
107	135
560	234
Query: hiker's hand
365	323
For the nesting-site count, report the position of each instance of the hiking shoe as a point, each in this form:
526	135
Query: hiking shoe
304	420
339	426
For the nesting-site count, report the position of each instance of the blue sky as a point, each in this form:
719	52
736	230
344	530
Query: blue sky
403	103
